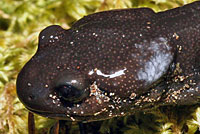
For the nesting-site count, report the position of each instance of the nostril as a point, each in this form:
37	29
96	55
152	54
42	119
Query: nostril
31	97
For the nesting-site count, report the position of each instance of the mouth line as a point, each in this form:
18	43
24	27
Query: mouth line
59	116
47	114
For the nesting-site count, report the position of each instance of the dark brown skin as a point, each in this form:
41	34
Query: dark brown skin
114	63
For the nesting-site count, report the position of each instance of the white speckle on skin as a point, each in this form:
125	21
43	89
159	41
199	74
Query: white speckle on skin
72	118
138	46
112	94
73	81
29	84
77	105
54	97
91	72
133	95
46	85
102	110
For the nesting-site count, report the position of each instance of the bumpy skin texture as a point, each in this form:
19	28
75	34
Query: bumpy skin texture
117	62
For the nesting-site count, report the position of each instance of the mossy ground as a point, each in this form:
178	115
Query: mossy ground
20	23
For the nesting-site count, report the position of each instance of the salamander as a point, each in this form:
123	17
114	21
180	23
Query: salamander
114	63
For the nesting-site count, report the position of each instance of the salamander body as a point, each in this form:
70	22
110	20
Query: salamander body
114	63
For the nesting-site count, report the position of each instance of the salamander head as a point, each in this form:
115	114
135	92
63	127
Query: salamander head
65	80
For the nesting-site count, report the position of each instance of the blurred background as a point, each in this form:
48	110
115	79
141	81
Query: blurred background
20	23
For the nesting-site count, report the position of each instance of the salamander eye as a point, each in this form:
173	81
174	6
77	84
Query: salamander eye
72	92
72	88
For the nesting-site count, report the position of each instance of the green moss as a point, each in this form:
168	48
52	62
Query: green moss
20	23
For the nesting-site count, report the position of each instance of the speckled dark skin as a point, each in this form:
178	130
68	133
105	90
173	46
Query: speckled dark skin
114	63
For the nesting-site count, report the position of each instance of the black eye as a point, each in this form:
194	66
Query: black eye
72	88
71	93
